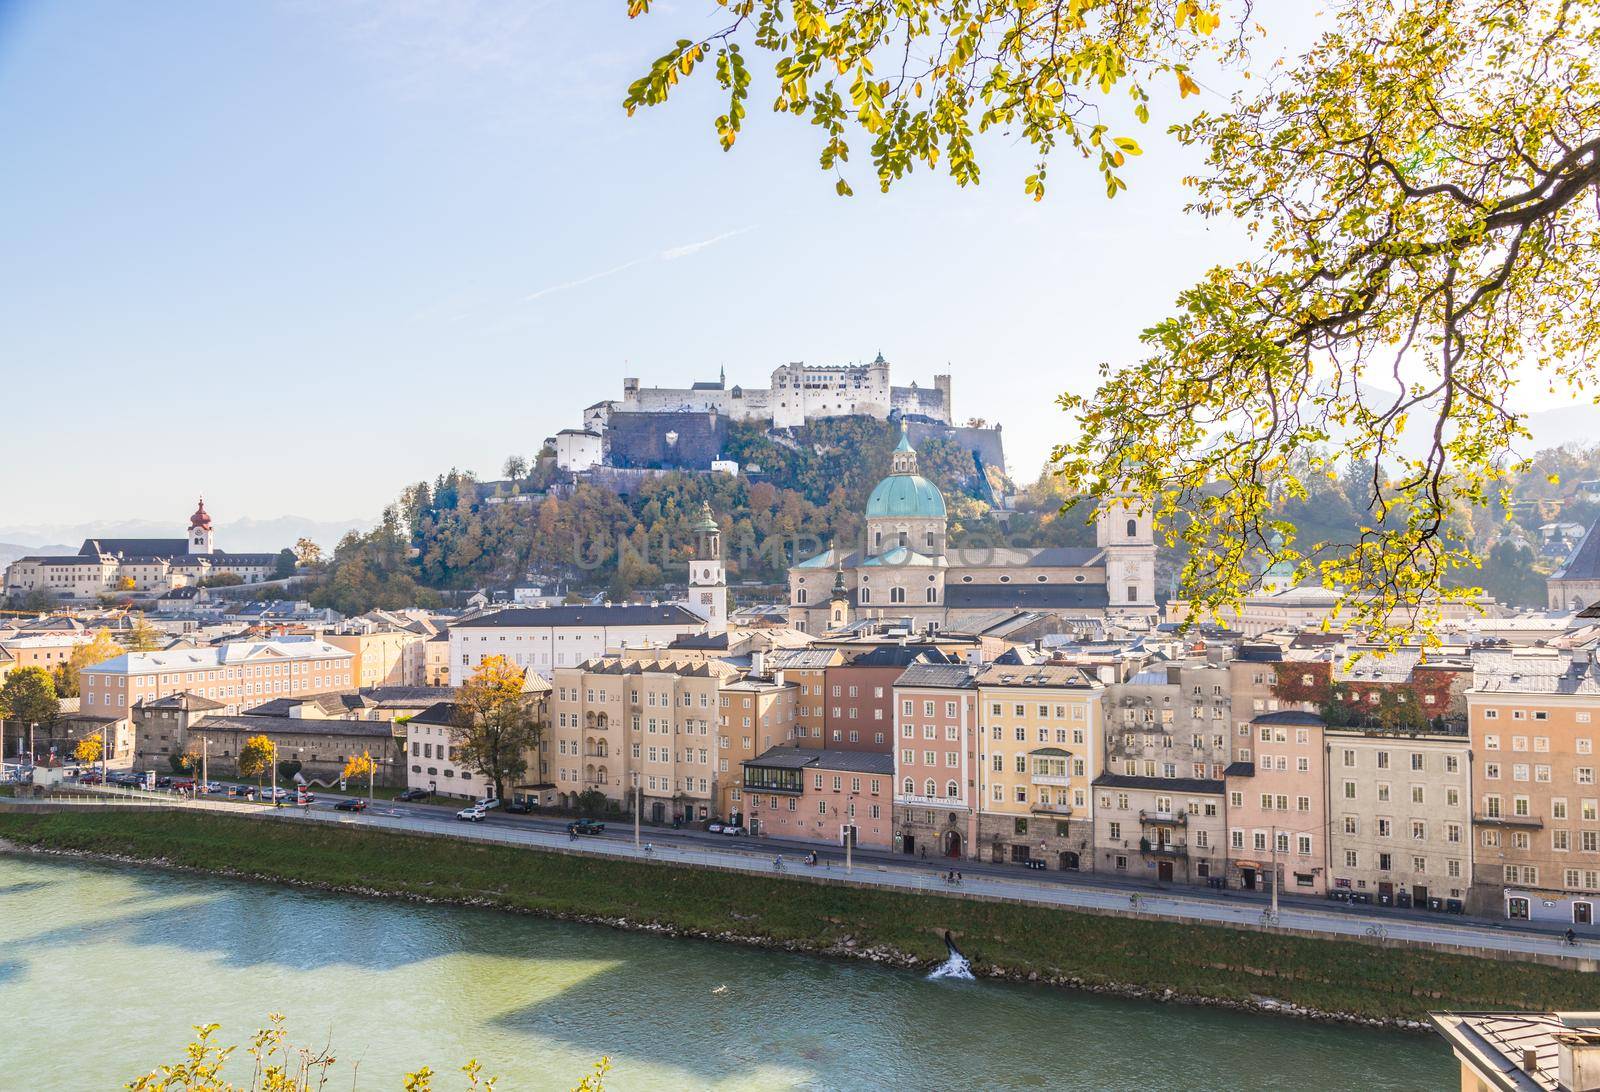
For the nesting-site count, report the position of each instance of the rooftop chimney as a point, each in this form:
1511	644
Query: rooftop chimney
758	664
1578	1058
975	656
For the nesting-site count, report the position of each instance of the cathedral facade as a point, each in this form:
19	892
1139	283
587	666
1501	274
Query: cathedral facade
904	569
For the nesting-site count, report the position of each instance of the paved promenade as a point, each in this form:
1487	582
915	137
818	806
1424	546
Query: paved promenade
757	857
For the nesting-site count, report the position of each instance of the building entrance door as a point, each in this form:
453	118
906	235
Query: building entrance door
658	812
1248	877
952	843
908	844
1517	908
1419	896
1070	861
1583	913
1164	871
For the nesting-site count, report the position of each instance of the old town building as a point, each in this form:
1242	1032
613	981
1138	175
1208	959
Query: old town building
1536	804
237	674
1167	829
1400	816
1041	754
904	568
1277	806
938	749
824	796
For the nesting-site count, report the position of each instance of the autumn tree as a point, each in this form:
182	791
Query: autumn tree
495	725
88	749
284	564
142	636
86	654
1420	188
361	765
308	555
256	756
516	467
29	697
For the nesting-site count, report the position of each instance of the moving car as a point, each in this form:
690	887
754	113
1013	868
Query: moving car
270	793
412	794
585	826
472	814
355	803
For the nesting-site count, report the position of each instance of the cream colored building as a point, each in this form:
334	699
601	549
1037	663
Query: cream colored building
238	674
145	566
1041	751
1400	815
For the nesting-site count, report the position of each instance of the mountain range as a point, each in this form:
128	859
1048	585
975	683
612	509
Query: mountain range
240	536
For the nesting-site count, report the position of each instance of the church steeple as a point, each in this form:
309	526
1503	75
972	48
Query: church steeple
904	459
708	581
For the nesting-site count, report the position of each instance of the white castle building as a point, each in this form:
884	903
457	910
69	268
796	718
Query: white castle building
797	393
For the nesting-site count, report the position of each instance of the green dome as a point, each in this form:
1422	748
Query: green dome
906	495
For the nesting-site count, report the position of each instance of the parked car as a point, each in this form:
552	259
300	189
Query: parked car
519	807
183	784
164	782
213	787
732	830
715	828
487	803
585	826
472	814
412	794
355	803
270	793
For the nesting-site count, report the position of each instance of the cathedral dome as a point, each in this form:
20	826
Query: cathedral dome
201	517
906	495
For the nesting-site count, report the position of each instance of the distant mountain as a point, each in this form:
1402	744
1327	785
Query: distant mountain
240	536
1564	425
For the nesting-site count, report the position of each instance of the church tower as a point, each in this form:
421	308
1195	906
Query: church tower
839	601
200	530
1123	529
708	580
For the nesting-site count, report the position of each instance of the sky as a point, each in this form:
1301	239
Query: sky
295	254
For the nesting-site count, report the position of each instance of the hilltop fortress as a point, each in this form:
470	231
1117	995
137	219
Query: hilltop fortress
685	427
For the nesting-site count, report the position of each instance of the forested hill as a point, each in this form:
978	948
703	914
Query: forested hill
459	533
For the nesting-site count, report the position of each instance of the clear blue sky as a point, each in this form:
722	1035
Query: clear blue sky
296	254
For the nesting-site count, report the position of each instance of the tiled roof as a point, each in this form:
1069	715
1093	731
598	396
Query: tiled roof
297	726
1038	675
1497	1044
1293	717
939	675
1584	564
797	758
959	596
788	659
1160	784
667	614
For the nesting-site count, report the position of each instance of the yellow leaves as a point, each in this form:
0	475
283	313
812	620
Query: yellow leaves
361	765
842	188
1129	145
88	750
1186	85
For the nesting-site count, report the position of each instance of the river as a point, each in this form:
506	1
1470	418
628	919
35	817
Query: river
103	969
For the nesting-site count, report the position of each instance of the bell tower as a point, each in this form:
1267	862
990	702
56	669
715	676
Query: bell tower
200	530
708	580
1123	530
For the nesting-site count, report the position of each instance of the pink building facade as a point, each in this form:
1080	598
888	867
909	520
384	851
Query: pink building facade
1278	806
938	747
826	796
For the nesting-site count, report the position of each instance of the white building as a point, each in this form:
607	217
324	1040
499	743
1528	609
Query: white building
150	566
238	674
541	639
579	448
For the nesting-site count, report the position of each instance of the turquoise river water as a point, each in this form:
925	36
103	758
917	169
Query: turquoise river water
103	970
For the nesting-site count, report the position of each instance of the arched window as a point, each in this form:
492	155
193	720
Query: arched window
1133	528
933	595
897	595
877	539
866	595
931	789
910	787
951	789
800	595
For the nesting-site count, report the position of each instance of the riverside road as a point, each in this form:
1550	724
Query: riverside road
898	872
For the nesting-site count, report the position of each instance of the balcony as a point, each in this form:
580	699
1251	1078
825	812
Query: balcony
1164	818
1040	808
1525	822
1163	849
1058	780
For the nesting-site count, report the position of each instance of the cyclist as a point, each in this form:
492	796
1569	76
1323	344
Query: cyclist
777	863
1572	938
649	849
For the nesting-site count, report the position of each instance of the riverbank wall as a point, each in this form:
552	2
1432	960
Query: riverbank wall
1126	955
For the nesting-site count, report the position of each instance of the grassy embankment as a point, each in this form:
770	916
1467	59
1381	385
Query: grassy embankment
1195	961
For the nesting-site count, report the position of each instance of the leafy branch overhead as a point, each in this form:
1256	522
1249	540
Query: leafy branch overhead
921	78
1422	188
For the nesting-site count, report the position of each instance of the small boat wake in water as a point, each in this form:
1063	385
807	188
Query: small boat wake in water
954	967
